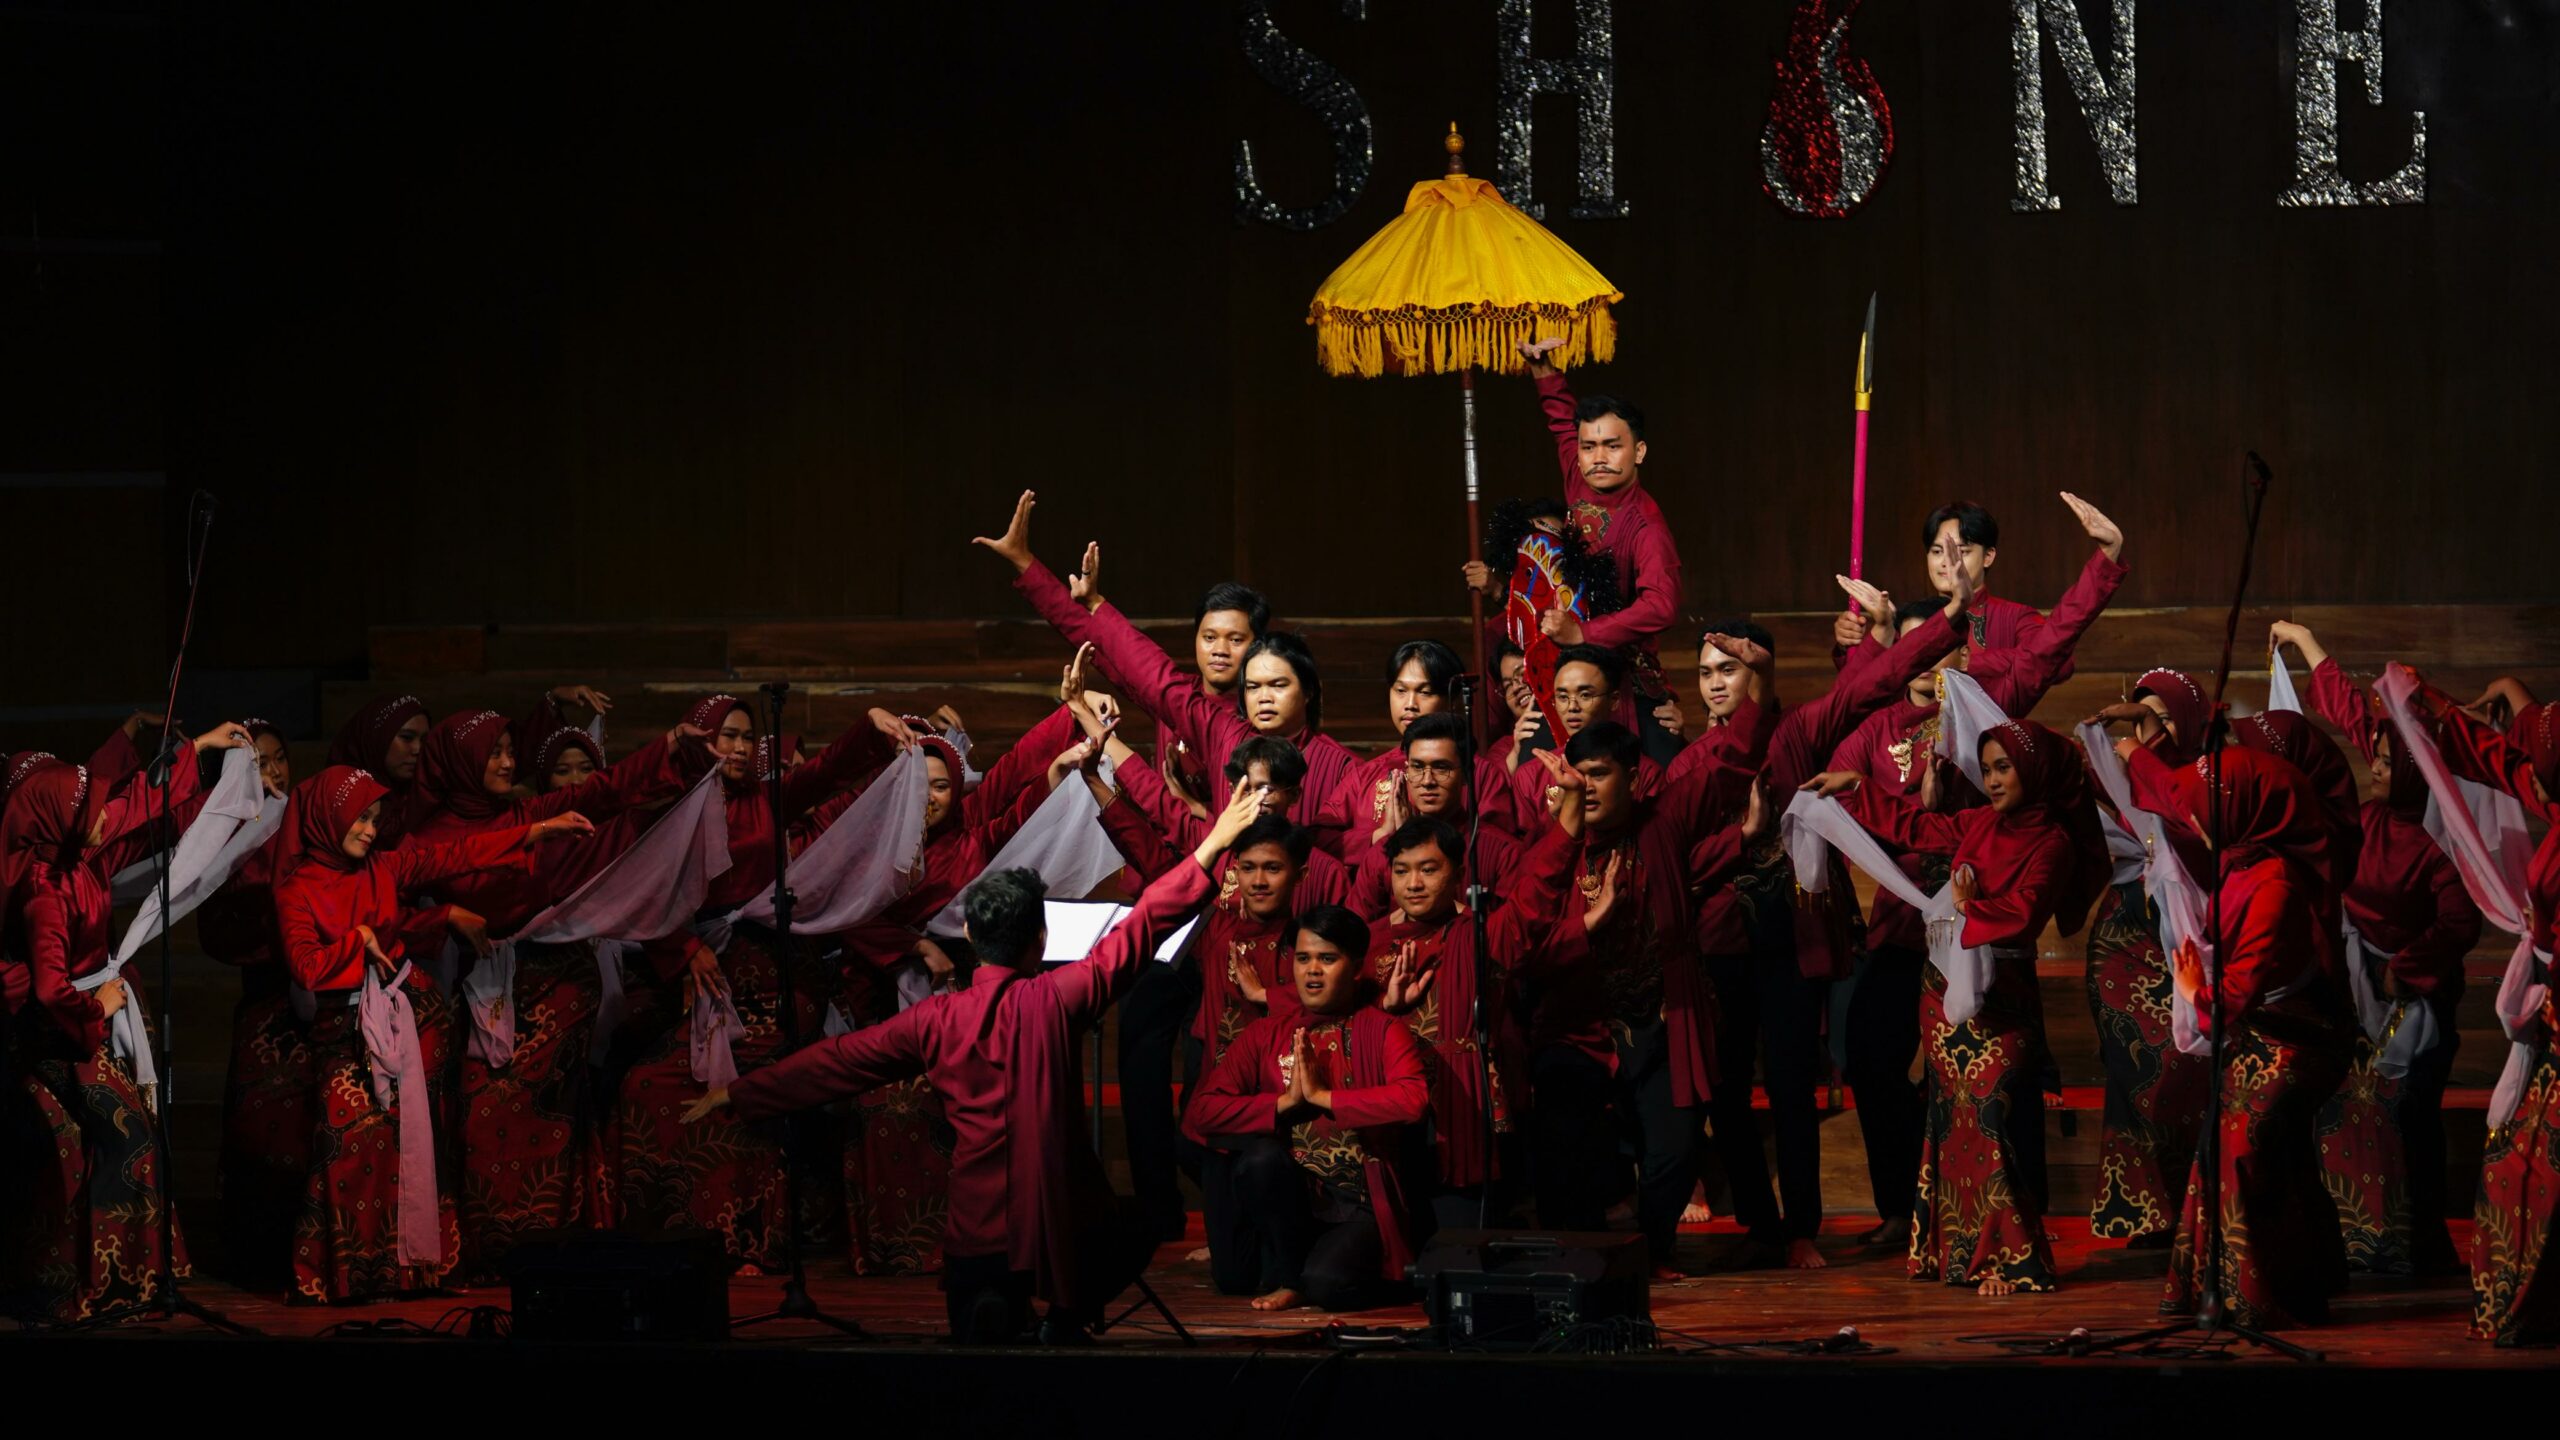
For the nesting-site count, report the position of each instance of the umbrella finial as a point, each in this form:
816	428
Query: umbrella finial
1456	145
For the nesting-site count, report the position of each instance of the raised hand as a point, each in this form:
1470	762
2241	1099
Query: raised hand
1405	982
1073	759
896	728
1755	812
1868	599
1752	654
2123	712
1085	586
2106	532
229	735
1244	807
1561	626
1246	976
1075	676
1565	785
1535	352
1600	897
587	695
946	718
2186	971
1015	543
1960	593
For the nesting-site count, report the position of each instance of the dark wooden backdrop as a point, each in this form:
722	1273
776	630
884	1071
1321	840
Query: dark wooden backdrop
627	311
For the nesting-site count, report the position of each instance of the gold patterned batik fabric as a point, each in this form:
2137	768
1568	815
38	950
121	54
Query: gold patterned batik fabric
2512	1301
2155	1094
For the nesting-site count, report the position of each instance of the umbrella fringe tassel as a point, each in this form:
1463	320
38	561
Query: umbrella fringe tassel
1417	342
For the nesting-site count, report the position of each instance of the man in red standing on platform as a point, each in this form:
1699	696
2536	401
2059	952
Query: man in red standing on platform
1600	445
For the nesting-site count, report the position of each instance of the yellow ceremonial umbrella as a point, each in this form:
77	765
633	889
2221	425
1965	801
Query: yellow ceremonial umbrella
1460	281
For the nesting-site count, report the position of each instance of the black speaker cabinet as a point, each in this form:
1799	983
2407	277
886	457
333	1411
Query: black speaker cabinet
1511	1289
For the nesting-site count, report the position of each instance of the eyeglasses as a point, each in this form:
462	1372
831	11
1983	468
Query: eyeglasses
1443	769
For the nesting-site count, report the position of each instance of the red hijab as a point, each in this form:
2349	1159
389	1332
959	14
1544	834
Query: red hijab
2266	808
453	766
2296	741
324	809
21	765
940	749
706	714
2054	794
547	754
2536	733
366	737
2190	710
51	807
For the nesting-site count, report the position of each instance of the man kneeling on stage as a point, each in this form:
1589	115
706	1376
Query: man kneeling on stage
1031	1211
1314	1116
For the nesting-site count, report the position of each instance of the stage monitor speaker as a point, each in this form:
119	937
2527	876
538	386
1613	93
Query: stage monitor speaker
607	1285
1513	1290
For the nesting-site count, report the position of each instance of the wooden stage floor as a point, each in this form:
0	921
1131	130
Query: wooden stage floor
2392	1323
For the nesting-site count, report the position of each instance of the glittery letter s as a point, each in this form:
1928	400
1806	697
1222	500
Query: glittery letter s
1308	81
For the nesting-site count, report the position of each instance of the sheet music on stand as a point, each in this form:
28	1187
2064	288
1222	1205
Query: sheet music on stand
1076	926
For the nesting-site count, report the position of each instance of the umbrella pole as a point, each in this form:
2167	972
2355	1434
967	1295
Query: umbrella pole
1475	523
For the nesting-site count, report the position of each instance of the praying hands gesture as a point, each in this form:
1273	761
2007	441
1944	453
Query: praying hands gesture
1015	543
2109	536
1393	814
1302	1096
1404	983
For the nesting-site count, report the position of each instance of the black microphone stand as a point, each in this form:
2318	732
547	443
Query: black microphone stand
2212	1317
796	1304
1473	874
167	1302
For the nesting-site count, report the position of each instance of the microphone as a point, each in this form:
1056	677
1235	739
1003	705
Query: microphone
2258	465
1846	1339
776	688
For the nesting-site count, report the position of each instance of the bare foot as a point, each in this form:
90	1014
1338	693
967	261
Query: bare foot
1802	1256
1196	1256
1277	1300
1995	1285
1669	1274
1696	1213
